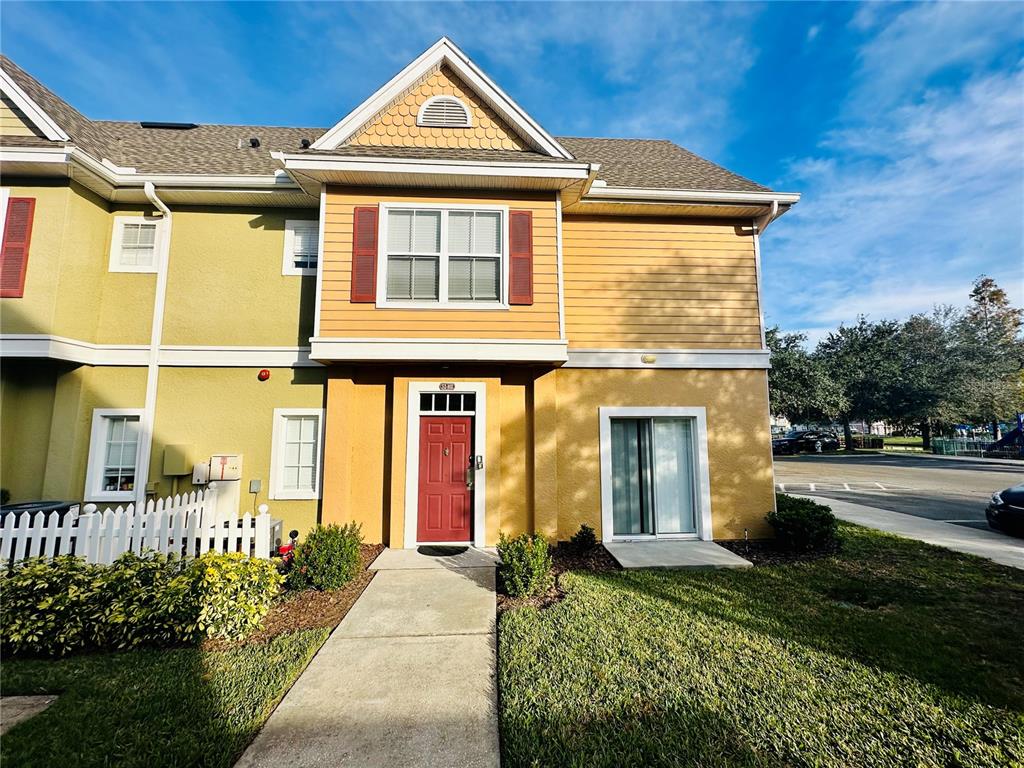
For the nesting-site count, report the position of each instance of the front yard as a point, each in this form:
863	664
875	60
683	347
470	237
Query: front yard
891	653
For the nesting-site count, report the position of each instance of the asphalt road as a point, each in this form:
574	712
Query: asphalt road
952	491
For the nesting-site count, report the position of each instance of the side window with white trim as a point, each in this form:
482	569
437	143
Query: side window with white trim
113	454
295	453
135	243
301	245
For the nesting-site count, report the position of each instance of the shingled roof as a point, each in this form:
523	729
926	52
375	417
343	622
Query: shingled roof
226	150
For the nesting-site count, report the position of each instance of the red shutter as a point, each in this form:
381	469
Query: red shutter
14	252
520	266
364	254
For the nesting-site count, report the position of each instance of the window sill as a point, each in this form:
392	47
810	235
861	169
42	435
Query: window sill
299	272
135	270
485	305
295	496
108	496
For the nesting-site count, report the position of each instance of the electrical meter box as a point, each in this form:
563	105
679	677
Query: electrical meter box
201	474
178	460
226	466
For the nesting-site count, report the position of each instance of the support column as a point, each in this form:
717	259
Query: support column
545	453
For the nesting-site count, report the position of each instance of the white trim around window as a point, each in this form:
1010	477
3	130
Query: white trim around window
117	244
309	239
278	486
96	467
442	256
702	472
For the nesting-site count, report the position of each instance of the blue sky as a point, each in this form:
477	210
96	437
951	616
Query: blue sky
901	124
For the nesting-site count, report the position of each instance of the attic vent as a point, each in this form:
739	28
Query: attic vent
168	126
443	112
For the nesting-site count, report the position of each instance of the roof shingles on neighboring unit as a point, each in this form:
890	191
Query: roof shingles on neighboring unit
226	150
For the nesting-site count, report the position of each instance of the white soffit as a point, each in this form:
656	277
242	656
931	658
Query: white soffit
444	51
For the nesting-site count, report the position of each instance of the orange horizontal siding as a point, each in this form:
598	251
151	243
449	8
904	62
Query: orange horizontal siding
340	318
659	283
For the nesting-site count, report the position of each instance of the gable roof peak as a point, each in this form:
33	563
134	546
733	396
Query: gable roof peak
445	52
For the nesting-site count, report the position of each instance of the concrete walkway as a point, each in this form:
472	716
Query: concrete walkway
999	547
406	680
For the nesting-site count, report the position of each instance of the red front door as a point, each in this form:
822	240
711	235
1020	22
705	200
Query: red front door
445	507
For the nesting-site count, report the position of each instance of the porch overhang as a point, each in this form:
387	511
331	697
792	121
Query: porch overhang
311	171
328	350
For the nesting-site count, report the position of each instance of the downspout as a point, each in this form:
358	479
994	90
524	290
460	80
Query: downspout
155	339
760	225
559	267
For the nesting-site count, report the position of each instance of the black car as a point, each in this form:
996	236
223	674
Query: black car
806	440
1005	512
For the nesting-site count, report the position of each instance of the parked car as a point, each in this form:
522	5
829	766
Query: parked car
806	440
32	507
1005	512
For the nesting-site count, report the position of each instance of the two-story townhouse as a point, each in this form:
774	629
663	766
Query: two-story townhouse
433	318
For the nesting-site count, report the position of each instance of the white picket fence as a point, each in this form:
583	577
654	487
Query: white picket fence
186	526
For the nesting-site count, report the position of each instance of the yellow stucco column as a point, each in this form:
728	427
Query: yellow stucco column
545	455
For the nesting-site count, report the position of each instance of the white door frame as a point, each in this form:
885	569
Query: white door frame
412	458
702	473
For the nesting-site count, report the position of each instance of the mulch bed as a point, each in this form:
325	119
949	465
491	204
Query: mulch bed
563	559
308	609
767	552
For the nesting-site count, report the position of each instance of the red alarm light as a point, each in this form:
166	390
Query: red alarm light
263	375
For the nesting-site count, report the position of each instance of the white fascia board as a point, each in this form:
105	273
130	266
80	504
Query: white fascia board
128	178
441	350
753	359
313	163
443	51
72	350
48	155
691	195
236	357
32	111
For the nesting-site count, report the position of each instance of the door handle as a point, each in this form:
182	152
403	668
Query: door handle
470	472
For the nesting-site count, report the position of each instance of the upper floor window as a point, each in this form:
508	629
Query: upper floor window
443	112
448	256
301	244
135	243
113	454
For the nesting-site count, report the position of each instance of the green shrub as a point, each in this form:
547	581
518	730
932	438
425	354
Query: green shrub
802	524
584	539
525	564
55	607
329	558
48	607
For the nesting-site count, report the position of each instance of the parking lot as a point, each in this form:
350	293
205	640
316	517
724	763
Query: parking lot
951	491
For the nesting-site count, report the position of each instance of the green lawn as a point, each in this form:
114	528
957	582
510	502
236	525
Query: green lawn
893	653
904	442
182	707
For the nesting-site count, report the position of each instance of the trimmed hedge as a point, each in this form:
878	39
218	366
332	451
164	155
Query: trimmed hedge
329	558
525	564
54	607
802	524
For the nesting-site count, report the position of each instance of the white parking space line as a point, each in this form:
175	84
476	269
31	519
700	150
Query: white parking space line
854	487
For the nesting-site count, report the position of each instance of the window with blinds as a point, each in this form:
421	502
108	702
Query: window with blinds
301	245
295	453
113	454
444	256
134	244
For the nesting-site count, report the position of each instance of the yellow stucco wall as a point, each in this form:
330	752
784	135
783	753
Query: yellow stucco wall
395	126
224	282
739	440
543	447
228	410
26	410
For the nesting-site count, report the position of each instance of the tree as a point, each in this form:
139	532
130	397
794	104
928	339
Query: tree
992	354
929	384
862	360
798	386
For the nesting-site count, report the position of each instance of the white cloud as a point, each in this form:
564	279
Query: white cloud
812	32
916	192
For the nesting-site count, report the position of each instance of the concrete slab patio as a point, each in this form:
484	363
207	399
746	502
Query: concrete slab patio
407	678
17	709
674	554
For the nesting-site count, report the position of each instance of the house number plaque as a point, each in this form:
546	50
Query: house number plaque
446	386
